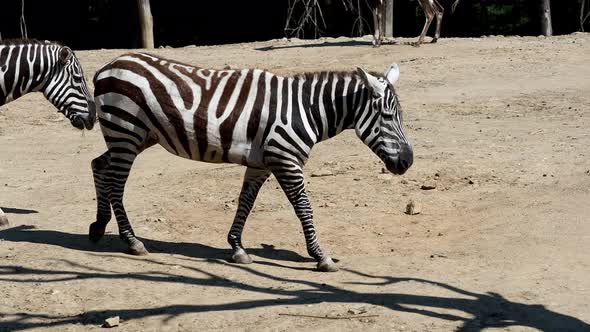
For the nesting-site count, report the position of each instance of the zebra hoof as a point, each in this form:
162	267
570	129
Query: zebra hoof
327	265
137	249
96	231
241	257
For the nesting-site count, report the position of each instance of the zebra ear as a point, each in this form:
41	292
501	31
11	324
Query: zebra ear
372	83
392	73
65	55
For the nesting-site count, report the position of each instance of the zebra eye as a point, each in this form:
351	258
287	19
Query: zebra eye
376	130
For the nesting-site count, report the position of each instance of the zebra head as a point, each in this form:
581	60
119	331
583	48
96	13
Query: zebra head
67	90
381	125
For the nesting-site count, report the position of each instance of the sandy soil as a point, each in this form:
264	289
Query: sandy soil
499	125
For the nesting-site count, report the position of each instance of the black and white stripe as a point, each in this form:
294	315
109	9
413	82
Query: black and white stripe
51	68
249	117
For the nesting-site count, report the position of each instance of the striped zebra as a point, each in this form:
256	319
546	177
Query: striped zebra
249	117
28	65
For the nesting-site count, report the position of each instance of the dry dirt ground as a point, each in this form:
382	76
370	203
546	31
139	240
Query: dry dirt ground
499	125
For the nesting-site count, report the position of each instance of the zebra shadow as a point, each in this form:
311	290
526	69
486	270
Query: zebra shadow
111	243
473	311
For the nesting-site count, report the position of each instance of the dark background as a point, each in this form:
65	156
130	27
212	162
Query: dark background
93	24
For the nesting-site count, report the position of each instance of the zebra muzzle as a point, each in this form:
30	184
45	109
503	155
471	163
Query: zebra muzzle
77	122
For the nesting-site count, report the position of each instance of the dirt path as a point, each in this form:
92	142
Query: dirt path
499	124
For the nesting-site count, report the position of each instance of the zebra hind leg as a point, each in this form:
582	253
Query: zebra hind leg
292	183
111	171
3	219
119	168
253	180
101	184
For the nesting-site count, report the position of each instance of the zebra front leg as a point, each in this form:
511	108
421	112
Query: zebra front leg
253	180
292	183
102	186
3	219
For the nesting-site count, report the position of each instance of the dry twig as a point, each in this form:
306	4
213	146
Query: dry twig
329	317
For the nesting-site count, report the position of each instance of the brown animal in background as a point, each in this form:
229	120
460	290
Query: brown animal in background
430	8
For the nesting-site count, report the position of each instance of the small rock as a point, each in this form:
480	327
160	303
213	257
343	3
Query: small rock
428	185
413	208
384	170
357	179
356	311
229	206
111	322
470	181
321	172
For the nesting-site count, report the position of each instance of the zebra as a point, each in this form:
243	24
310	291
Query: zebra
29	65
249	117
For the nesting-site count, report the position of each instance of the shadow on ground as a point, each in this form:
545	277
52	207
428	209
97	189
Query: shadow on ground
484	309
17	211
347	43
112	243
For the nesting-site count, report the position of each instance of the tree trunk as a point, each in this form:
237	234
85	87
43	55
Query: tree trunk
388	19
584	14
147	23
546	27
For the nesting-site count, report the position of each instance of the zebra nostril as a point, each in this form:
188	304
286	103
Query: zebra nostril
77	122
404	163
406	160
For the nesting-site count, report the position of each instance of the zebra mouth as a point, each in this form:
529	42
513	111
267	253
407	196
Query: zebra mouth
81	122
400	164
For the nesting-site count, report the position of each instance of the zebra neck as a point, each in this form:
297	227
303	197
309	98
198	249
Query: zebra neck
335	101
24	68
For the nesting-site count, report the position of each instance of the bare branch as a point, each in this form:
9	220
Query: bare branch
312	17
309	17
454	5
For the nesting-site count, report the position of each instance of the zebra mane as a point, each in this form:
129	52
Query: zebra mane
21	41
324	73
